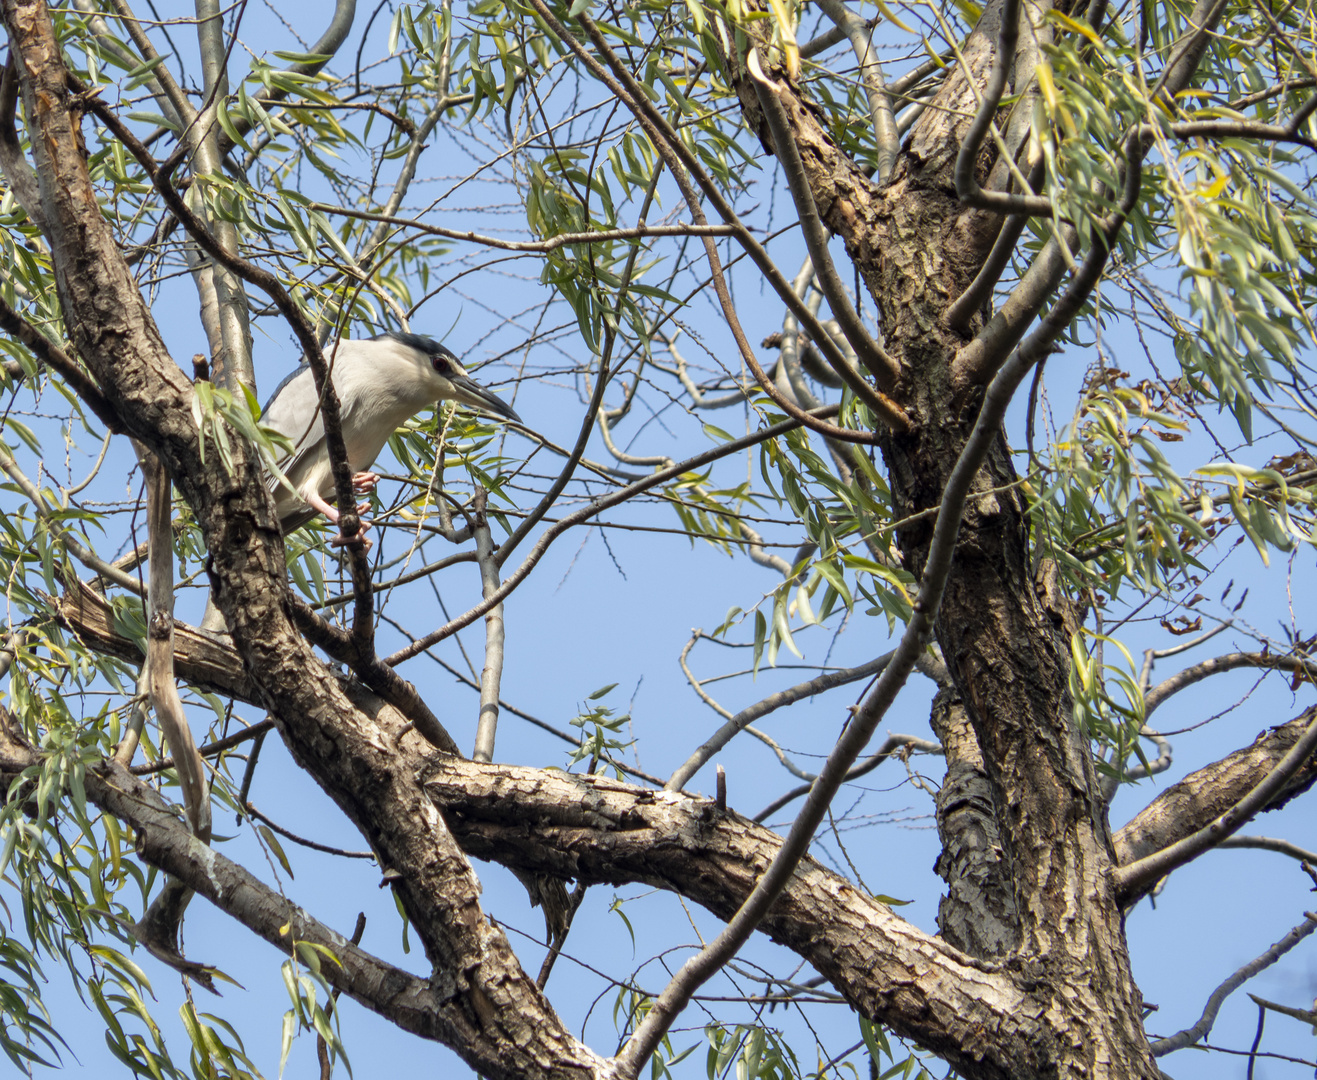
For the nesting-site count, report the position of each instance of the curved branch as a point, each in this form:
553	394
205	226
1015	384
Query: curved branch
1181	680
1269	843
968	189
859	33
1136	877
750	714
1200	1030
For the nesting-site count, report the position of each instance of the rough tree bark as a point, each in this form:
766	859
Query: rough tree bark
918	248
1031	976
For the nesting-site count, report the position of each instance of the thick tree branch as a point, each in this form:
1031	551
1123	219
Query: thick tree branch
1217	795
1138	876
602	831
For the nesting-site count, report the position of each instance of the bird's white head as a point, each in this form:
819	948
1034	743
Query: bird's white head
445	377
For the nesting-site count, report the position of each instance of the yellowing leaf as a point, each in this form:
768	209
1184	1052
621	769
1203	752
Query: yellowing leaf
787	29
1075	26
1047	85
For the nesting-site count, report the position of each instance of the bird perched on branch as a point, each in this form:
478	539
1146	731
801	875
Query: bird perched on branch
380	382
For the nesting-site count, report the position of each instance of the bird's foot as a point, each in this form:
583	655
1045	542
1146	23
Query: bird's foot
362	528
363	483
361	538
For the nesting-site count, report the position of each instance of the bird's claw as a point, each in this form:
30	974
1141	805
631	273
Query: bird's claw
364	483
361	538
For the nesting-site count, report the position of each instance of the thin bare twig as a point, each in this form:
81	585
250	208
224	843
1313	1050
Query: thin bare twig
759	709
597	506
302	841
1268	843
67	537
893	744
539	247
1200	1030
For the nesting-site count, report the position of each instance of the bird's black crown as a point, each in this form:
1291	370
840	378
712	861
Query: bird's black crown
442	358
419	342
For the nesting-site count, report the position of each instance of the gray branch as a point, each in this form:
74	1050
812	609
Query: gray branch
760	709
1191	1035
492	674
860	35
967	187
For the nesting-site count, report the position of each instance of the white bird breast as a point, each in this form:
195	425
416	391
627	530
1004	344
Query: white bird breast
379	385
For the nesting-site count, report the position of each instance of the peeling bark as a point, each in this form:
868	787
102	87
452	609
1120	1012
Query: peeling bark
978	913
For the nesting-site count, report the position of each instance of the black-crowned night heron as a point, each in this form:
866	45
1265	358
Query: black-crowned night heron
380	382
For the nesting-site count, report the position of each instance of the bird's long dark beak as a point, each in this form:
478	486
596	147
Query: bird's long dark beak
470	392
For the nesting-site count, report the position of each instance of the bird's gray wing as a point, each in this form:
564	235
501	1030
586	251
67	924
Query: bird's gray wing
293	411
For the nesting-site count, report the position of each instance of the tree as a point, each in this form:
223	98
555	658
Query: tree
971	191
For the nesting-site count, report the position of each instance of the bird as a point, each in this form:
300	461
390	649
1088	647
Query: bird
380	382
